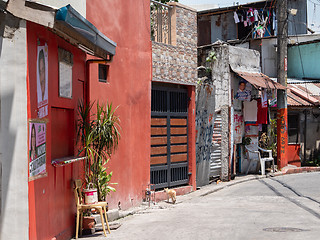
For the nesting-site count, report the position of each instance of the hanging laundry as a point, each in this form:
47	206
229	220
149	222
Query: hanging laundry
262	115
260	31
250	111
264	98
250	15
256	13
236	18
274	23
240	15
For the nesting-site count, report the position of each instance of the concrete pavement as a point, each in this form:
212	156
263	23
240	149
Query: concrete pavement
268	208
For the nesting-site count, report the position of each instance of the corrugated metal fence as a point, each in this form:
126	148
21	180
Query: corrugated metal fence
215	156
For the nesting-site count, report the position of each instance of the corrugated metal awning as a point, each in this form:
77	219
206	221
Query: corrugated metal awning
83	33
259	80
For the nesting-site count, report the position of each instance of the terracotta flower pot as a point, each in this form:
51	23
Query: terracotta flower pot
88	222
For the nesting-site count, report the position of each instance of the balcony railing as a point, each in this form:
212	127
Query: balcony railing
160	15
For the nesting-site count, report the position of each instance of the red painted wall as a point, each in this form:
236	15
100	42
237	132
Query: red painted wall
293	154
129	86
192	136
51	198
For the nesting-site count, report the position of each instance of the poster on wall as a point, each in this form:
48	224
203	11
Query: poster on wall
37	150
42	80
238	127
244	91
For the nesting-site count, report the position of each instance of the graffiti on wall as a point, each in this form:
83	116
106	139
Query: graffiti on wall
238	127
205	115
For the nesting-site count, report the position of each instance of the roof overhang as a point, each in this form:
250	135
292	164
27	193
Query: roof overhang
83	33
68	24
259	80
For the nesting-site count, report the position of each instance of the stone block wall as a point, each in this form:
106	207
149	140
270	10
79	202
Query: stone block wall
177	62
220	72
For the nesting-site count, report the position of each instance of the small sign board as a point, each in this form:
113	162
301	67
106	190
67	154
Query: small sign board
37	149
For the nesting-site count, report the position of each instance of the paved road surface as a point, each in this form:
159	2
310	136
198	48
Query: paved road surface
283	207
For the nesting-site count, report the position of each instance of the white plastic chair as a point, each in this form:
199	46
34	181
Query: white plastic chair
253	154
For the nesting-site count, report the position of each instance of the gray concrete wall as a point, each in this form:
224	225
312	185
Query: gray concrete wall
223	27
13	131
221	76
225	146
221	80
242	59
205	115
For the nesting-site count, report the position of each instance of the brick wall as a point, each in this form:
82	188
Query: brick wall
177	63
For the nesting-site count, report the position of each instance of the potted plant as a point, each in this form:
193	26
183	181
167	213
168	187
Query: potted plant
88	222
99	136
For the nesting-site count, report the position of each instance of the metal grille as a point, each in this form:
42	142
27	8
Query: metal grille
160	19
178	102
169	137
158	101
159	176
179	173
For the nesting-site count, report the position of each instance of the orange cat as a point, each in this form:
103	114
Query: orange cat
171	193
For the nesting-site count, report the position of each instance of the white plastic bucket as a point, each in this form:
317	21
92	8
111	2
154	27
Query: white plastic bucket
90	196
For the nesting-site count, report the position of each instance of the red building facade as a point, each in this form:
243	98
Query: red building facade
128	87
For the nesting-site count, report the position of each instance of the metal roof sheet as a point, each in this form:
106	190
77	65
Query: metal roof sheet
259	80
70	22
296	101
310	88
299	94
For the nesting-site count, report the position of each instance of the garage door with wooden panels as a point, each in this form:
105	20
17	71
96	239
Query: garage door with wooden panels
169	137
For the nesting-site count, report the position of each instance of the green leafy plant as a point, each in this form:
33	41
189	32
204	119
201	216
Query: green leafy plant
314	159
99	137
211	56
269	140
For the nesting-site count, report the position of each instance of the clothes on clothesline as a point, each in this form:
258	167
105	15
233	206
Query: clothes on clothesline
262	114
250	111
254	112
263	19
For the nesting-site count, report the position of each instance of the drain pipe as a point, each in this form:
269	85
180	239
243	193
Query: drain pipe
87	83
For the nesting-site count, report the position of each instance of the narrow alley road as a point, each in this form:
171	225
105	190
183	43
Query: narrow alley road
283	207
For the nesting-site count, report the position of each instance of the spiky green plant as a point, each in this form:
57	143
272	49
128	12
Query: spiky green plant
99	135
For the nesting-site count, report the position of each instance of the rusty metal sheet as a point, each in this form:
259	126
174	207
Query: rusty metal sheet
259	80
296	101
301	95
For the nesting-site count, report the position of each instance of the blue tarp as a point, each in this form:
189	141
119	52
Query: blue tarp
73	20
